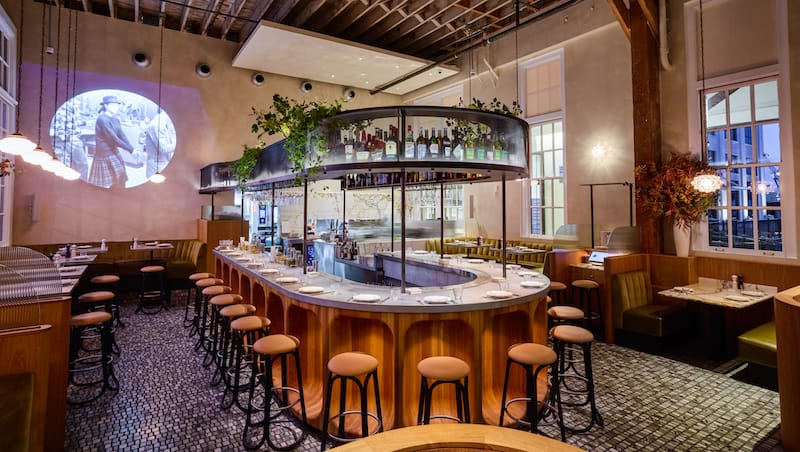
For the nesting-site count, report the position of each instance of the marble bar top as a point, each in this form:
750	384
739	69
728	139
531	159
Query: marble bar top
711	291
478	294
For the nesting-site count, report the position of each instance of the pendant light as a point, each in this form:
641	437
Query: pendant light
38	156
158	178
70	173
17	143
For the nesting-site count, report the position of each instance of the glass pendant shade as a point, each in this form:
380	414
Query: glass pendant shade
707	183
36	156
16	144
70	174
157	178
53	165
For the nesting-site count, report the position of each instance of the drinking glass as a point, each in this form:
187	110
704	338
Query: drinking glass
458	293
395	293
502	284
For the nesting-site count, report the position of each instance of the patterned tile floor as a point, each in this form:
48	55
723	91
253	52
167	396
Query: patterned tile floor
649	403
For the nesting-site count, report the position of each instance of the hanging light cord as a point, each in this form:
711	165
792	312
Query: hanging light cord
55	99
19	60
158	109
702	87
516	47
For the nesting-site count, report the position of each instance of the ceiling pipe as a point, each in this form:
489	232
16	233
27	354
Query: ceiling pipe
541	15
663	44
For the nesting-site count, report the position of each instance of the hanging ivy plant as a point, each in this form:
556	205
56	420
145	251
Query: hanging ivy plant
295	121
243	168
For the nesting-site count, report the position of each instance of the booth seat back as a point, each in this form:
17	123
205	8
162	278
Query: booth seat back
629	290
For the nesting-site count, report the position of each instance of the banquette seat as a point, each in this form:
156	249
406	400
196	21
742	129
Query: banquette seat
634	310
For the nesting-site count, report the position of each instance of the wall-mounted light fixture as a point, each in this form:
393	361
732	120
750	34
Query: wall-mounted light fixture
598	151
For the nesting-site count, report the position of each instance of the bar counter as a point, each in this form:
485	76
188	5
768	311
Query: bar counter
398	332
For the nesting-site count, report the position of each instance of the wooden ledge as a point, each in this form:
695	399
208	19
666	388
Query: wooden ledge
460	437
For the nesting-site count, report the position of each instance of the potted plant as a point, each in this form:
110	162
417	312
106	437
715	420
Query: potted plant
294	121
667	191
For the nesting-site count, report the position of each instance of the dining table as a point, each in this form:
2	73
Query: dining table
518	251
152	246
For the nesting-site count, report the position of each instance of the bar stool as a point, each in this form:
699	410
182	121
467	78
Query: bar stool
227	315
269	350
344	367
109	283
201	310
565	336
214	305
443	370
192	299
588	291
558	292
558	315
99	300
533	358
83	364
153	291
245	331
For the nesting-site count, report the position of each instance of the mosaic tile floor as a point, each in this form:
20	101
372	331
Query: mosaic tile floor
649	403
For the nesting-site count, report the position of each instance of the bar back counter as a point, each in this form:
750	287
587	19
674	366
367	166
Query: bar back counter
398	329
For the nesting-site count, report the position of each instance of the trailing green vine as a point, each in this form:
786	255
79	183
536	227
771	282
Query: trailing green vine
295	121
468	130
243	168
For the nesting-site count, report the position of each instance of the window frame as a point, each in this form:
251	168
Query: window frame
9	98
551	117
696	89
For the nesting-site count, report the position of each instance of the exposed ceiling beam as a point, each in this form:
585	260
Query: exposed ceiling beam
366	25
349	20
233	14
467	26
210	15
623	15
650	11
185	13
327	18
111	10
307	12
405	17
283	10
420	41
254	19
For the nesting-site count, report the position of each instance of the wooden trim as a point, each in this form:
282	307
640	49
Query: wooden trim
787	334
650	12
622	13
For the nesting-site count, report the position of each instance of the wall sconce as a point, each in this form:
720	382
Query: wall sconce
707	183
598	151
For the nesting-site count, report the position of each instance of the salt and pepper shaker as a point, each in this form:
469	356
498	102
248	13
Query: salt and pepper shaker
103	244
735	283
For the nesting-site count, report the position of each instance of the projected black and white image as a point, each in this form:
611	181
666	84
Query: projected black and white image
113	138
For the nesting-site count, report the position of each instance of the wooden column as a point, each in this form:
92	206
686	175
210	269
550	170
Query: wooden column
639	23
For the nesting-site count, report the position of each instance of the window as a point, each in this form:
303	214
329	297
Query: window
742	130
8	81
543	97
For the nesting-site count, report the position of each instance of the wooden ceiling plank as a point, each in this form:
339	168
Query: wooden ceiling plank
366	25
397	29
623	15
467	24
254	19
283	10
233	14
328	18
650	12
307	12
421	42
209	16
185	13
348	21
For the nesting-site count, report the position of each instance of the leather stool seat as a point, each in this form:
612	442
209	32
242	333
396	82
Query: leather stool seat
565	313
443	368
585	284
201	275
208	282
90	318
556	286
572	334
350	364
250	323
225	299
213	291
105	279
275	344
532	354
237	310
152	269
533	358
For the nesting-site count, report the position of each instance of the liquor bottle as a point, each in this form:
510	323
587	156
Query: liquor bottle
503	147
362	153
458	146
499	148
422	145
480	147
433	145
447	146
349	146
469	147
489	145
391	144
378	145
410	146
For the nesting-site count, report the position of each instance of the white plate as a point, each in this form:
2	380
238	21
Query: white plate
512	266
286	279
151	244
255	265
436	299
268	271
83	247
532	284
164	245
499	294
67	282
234	254
242	259
311	289
528	273
80	258
754	293
420	252
737	298
474	261
366	297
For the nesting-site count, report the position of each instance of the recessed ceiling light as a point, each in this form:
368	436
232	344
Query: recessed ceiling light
333	75
360	58
397	66
363	74
367	82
